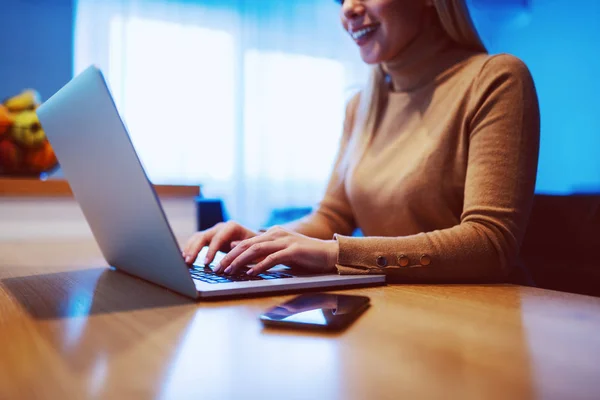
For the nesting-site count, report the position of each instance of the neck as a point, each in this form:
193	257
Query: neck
422	60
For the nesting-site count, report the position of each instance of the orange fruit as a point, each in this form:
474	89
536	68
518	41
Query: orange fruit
40	159
6	119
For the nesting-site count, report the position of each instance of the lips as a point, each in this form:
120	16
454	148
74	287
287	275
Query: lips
364	33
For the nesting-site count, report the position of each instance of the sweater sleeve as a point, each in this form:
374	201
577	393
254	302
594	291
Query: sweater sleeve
504	128
334	213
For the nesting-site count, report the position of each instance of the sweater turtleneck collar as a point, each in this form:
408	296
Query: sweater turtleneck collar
422	60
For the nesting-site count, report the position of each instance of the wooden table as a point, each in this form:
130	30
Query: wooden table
71	328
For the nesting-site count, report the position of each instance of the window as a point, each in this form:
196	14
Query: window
245	99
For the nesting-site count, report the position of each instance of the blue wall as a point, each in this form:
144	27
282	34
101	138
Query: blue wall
560	42
36	45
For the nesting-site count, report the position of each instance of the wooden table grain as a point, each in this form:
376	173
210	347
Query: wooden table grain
71	328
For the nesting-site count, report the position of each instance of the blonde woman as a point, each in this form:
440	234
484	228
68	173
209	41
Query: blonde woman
437	162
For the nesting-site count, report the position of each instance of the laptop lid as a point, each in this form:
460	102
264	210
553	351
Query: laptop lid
98	159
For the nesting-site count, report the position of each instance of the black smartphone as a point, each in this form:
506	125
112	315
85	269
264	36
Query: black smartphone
317	311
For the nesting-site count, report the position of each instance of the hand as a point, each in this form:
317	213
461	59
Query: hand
221	237
279	246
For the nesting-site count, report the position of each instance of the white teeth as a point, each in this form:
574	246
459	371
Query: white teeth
362	32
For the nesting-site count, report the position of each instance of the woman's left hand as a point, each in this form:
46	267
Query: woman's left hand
280	246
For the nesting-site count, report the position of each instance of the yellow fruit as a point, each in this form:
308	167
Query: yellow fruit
27	130
27	100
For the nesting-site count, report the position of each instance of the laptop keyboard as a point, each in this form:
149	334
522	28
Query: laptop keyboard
206	274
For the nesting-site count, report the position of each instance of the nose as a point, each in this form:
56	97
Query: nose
353	8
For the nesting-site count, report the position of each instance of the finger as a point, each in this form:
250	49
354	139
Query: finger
194	246
257	250
239	249
189	243
192	242
234	253
283	256
216	243
235	243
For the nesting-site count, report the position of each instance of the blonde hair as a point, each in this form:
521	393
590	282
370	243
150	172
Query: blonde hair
456	21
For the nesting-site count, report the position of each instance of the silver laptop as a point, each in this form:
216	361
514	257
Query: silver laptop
109	183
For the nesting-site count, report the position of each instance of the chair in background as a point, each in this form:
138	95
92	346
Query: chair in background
209	212
561	247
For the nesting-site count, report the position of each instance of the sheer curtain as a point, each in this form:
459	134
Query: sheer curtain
246	98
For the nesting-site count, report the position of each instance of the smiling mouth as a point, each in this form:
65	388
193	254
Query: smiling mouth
363	34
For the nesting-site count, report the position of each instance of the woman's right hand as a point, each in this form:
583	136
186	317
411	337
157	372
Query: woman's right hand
221	237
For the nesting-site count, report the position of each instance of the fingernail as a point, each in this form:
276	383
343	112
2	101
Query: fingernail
188	259
227	270
206	261
250	272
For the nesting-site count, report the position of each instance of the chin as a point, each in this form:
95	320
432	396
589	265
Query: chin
371	59
371	62
373	54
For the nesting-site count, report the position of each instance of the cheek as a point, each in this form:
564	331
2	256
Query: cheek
343	19
402	21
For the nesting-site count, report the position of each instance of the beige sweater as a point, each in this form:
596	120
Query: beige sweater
444	191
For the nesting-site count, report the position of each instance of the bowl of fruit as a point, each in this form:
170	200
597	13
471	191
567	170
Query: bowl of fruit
24	147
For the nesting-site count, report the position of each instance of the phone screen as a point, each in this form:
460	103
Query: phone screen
317	310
